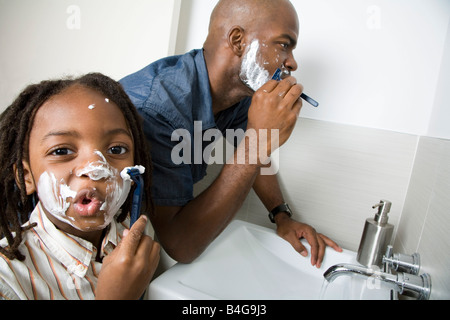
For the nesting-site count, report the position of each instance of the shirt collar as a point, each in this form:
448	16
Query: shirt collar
73	252
202	110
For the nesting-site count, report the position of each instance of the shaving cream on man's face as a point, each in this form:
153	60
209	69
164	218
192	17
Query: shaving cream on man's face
252	73
86	208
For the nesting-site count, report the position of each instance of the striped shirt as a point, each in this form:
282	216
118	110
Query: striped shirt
57	265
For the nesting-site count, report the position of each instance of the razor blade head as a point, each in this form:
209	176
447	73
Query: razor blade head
135	175
130	172
133	172
280	74
277	75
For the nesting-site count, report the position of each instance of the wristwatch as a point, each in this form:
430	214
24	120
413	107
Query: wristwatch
281	208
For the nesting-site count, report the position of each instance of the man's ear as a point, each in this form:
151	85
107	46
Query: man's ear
27	176
236	40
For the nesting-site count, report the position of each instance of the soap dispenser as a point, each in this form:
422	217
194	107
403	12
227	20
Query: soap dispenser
376	236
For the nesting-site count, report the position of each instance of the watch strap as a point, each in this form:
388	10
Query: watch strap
281	208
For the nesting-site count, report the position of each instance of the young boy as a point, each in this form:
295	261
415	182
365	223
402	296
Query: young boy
65	205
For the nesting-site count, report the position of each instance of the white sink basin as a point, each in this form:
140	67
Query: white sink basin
248	262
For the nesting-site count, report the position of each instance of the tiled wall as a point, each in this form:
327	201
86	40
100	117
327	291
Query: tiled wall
425	222
331	174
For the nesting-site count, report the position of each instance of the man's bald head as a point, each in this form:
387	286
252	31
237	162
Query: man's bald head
249	39
248	14
228	13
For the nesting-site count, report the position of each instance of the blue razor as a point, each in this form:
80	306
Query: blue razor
136	176
277	77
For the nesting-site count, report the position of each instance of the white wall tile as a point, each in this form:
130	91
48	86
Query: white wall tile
331	174
426	218
419	195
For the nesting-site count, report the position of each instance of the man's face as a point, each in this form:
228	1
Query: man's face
270	48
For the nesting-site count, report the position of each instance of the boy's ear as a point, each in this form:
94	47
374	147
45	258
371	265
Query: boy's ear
27	176
236	40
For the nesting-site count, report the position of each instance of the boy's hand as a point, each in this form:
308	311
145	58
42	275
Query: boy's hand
127	271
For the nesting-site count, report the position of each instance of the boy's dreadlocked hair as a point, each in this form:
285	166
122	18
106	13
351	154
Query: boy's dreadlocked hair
15	127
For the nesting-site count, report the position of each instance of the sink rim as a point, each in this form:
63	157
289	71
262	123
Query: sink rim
165	287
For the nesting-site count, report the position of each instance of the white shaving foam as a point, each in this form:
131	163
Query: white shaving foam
124	174
252	73
56	196
97	170
120	194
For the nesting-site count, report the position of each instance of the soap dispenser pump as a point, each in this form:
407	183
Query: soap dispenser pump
376	236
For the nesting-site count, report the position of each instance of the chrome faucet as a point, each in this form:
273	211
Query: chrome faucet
401	262
418	287
406	283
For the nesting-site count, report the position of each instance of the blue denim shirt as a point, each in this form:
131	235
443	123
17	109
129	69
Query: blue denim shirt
170	94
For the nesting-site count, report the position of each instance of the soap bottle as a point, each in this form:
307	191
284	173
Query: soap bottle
376	236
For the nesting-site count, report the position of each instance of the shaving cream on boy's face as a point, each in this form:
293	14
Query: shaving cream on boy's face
91	201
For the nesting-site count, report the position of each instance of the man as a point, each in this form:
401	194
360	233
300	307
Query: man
226	85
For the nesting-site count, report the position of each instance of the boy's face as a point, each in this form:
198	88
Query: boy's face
78	145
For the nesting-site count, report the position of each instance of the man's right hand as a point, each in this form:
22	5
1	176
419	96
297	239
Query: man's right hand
276	105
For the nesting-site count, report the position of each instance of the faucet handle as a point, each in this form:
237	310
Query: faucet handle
386	258
402	262
389	252
415	286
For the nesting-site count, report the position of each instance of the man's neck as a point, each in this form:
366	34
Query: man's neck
226	87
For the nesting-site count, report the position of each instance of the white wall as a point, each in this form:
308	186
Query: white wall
43	39
369	63
439	123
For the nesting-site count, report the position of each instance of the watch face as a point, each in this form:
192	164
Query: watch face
281	208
